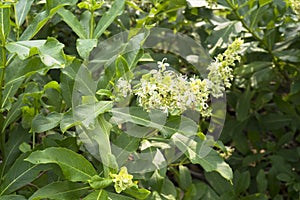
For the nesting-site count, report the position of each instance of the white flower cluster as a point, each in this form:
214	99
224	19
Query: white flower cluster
174	93
295	5
220	71
122	89
171	92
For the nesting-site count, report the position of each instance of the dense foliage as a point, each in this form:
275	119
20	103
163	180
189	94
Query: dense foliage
87	113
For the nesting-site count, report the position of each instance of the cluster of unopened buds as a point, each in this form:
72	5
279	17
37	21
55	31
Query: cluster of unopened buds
122	180
173	93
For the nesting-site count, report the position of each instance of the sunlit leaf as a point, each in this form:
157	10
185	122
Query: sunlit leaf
74	166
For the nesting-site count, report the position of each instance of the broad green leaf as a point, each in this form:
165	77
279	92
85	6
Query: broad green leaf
50	51
60	190
200	153
68	121
114	196
22	9
264	2
42	123
98	182
108	17
73	22
25	49
19	174
85	46
4	23
111	49
274	121
223	32
52	97
11	148
74	166
257	196
252	67
185	178
87	113
85	18
97	195
156	119
256	16
13	114
123	69
52	54
51	4
168	189
137	193
261	181
12	197
67	78
96	141
39	21
241	181
15	74
243	105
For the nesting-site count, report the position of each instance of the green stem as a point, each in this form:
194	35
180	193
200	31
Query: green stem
92	22
2	73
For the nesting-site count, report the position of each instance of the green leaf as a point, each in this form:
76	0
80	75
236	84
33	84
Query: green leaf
200	153
123	69
256	15
252	67
74	166
68	121
67	79
52	54
223	32
60	190
274	121
15	74
97	195
19	174
11	148
40	20
50	51
12	197
87	113
85	46
108	17
185	178
25	49
13	113
243	105
261	181
41	123
138	193
264	2
85	18
218	183
51	4
241	181
115	196
98	182
168	189
72	22
22	9
4	23
96	140
156	119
